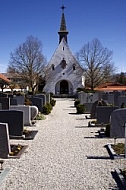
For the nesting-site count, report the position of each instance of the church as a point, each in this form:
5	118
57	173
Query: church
63	73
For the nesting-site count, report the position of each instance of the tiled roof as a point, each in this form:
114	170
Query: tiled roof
3	78
111	87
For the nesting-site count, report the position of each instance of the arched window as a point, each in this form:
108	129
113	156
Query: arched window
63	63
74	67
53	68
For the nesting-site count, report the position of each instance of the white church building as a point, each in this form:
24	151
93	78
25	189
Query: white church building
63	73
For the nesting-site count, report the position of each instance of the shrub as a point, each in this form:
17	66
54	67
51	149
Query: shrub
107	130
52	102
40	116
47	108
76	102
80	108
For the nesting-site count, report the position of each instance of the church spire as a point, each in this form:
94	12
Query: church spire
63	31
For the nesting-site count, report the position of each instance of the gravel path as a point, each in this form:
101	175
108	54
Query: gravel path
65	155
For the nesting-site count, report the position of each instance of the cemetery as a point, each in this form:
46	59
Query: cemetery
16	121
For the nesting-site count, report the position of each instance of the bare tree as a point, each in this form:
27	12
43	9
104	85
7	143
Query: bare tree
28	61
96	61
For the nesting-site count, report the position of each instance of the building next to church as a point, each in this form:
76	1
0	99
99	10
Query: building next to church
63	73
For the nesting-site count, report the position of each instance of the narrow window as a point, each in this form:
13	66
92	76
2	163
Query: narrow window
63	48
53	67
74	68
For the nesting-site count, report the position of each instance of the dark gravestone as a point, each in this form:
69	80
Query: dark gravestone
3	95
20	100
88	107
4	141
5	103
15	121
13	101
103	113
118	118
121	100
116	95
0	106
37	102
43	96
94	106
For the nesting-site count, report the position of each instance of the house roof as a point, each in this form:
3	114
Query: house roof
111	87
4	79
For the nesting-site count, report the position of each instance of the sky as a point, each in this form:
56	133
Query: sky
85	20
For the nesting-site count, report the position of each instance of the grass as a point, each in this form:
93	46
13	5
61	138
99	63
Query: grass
119	148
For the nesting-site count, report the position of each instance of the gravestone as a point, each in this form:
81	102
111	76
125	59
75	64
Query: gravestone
38	102
20	99
43	96
94	106
0	106
103	113
5	103
117	120
14	120
88	107
48	98
116	95
26	113
3	95
34	112
121	99
111	98
4	141
13	101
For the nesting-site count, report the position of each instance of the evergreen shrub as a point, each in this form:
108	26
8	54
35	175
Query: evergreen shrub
76	102
80	109
47	108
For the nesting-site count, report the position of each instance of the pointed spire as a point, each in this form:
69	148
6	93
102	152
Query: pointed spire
63	31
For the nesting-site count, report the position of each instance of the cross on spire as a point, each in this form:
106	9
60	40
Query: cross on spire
62	8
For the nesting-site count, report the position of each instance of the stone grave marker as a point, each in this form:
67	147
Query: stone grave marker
5	103
117	121
103	113
38	102
15	121
4	141
43	96
94	106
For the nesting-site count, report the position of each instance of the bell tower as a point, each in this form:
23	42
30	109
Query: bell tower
63	31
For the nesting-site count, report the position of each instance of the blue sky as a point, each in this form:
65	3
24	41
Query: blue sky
85	20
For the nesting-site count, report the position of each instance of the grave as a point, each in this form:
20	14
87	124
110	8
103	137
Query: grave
117	121
103	113
42	96
94	106
26	113
34	112
88	107
38	102
4	141
20	99
14	120
121	99
5	103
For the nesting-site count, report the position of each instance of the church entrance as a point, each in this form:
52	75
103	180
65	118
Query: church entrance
64	88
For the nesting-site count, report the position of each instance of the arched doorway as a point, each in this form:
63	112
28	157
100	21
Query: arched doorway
64	88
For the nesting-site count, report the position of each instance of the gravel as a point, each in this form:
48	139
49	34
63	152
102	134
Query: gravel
65	154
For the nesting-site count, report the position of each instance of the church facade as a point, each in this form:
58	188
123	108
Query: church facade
63	73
